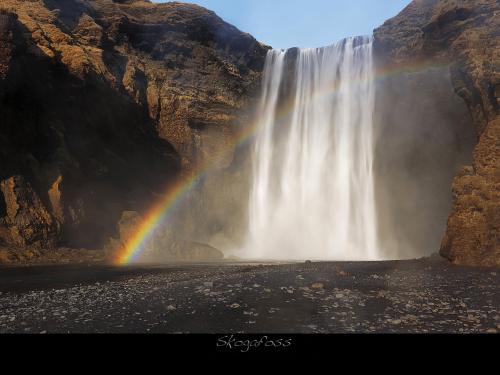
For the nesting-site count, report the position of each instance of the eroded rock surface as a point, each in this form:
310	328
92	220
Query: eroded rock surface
27	220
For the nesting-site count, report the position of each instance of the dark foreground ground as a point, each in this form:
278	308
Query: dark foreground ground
390	297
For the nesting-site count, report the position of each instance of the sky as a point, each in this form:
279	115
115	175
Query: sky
304	23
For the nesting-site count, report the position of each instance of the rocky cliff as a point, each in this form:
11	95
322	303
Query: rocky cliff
464	36
103	103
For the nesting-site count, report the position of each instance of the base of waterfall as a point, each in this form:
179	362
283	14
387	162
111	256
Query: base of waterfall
248	256
420	296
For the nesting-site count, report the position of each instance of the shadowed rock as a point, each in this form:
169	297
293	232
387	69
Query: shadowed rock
27	220
97	98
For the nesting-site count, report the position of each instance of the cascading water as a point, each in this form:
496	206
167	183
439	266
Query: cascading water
312	193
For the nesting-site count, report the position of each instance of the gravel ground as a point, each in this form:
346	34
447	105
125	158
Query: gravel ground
423	296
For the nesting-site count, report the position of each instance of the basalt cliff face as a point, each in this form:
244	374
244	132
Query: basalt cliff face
464	36
103	103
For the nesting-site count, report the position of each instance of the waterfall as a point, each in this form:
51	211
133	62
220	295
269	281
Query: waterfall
312	193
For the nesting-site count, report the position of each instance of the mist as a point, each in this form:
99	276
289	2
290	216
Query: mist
422	136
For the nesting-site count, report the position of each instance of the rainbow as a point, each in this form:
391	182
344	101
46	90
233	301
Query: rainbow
154	218
162	211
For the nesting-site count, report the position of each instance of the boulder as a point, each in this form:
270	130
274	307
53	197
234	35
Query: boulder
162	247
187	251
126	227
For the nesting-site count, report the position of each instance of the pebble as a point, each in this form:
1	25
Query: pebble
439	304
251	313
411	317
